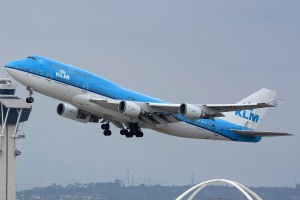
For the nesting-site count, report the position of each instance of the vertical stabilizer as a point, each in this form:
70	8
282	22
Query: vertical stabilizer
251	118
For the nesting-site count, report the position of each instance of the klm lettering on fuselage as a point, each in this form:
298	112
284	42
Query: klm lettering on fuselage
247	114
62	74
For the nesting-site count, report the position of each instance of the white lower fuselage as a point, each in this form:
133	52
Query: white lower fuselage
66	93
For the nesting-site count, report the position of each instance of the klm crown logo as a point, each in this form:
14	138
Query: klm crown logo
247	114
62	74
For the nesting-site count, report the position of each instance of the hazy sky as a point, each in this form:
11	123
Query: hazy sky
179	51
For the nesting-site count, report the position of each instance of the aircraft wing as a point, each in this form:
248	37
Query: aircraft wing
249	106
214	110
220	108
162	113
150	115
166	108
250	133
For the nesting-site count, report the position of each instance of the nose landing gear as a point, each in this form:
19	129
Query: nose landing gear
30	99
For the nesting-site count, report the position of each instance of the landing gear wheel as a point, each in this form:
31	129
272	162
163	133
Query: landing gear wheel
107	133
139	134
129	134
105	126
123	132
29	99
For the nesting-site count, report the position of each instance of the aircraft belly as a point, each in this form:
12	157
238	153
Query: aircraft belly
51	88
42	85
182	129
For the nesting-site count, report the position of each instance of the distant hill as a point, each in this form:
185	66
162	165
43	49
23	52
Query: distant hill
117	191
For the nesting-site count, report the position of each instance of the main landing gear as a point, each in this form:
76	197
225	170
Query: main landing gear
106	131
134	129
30	99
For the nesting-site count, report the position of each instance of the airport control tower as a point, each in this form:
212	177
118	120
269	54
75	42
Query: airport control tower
13	112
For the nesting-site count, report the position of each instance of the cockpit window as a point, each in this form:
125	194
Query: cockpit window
31	57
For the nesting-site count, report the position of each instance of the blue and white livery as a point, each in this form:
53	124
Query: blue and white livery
90	98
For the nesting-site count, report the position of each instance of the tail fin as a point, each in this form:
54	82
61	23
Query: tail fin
251	118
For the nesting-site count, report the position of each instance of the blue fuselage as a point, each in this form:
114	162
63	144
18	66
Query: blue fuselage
86	81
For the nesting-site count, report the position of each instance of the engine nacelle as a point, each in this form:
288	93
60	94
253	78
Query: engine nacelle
129	108
190	111
71	112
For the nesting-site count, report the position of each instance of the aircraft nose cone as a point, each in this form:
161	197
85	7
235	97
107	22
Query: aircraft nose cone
10	67
10	64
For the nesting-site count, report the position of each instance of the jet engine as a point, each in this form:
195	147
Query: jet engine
71	112
191	112
129	108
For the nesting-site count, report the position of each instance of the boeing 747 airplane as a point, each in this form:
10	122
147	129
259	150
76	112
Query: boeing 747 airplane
87	97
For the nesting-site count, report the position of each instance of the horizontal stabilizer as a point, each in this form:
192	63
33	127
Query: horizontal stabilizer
250	133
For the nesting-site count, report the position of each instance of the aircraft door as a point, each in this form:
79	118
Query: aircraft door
49	76
218	129
85	87
72	71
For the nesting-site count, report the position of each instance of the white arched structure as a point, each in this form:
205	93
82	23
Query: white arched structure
197	188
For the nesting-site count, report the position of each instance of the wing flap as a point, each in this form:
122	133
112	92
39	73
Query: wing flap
250	133
164	107
153	115
106	103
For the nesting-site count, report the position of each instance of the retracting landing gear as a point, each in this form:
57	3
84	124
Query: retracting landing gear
106	131
134	129
30	99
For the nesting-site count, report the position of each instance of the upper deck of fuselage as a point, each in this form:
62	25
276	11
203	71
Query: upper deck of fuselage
77	77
